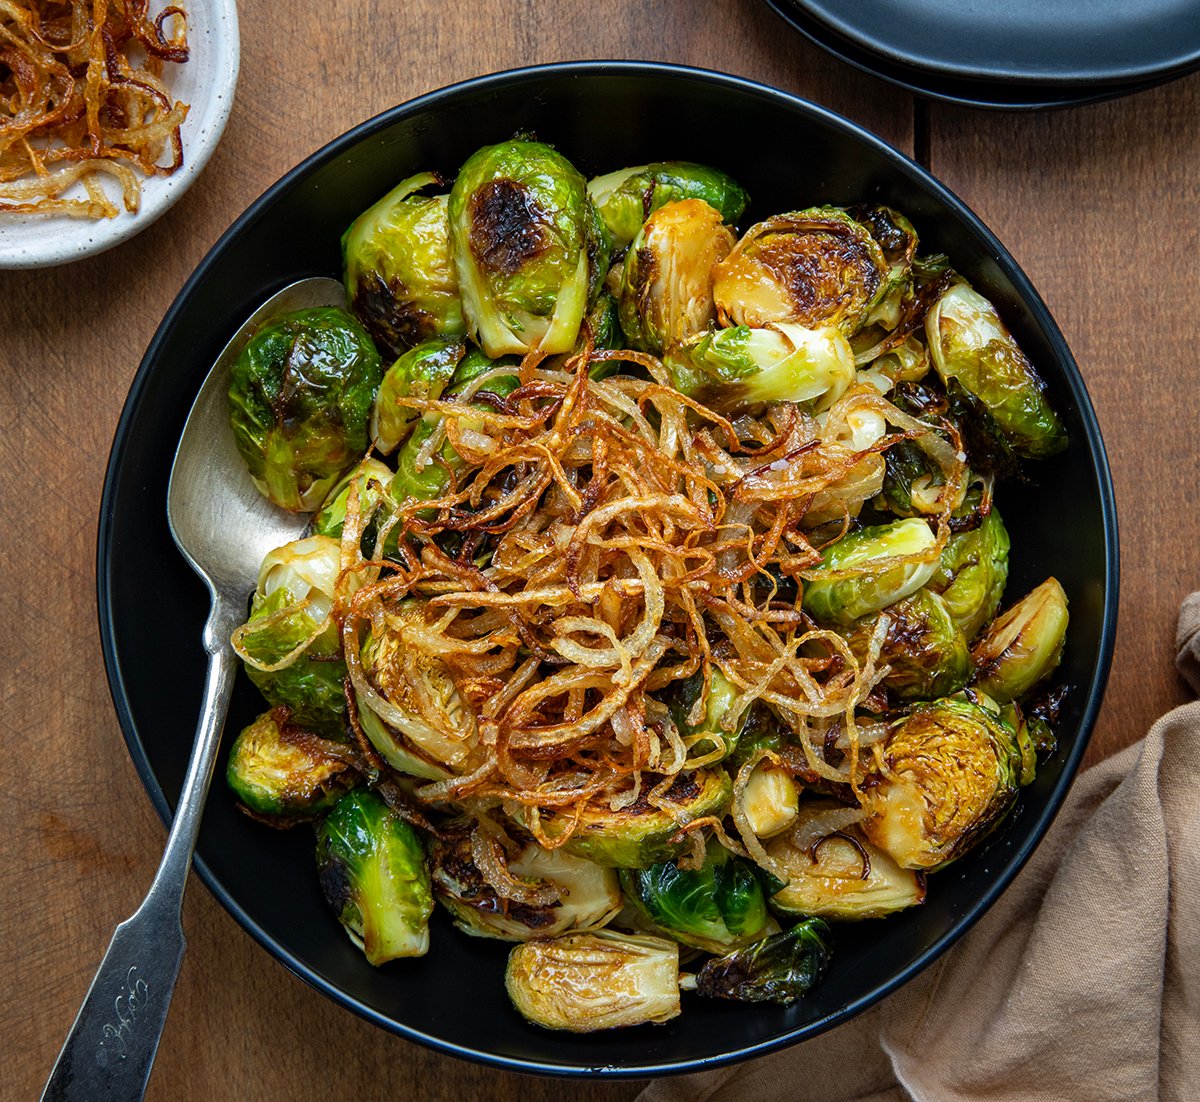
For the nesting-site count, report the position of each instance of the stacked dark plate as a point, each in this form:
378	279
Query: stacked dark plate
1008	54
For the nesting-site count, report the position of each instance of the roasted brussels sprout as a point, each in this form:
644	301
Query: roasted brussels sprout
372	870
770	800
275	771
952	769
970	343
529	248
719	728
627	197
300	395
398	269
732	368
422	372
290	645
589	895
897	238
839	875
642	834
815	267
370	481
779	969
717	907
598	980
844	600
666	288
927	654
602	327
972	572
1023	645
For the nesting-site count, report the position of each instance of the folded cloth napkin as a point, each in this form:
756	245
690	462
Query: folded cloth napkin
1081	983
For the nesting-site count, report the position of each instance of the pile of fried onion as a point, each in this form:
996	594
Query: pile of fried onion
609	538
82	97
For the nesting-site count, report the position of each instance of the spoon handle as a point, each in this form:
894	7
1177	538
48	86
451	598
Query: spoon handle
111	1047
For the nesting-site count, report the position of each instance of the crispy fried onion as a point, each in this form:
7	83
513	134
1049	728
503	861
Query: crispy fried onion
602	540
82	97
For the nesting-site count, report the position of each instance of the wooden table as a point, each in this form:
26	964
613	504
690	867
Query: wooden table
1099	206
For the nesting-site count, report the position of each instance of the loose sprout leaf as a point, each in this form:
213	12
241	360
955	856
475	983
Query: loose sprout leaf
780	969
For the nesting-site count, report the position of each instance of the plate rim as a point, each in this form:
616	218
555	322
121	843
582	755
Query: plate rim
1042	317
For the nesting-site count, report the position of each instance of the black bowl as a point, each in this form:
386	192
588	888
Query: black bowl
790	154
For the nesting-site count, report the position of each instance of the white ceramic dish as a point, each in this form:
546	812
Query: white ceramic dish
207	83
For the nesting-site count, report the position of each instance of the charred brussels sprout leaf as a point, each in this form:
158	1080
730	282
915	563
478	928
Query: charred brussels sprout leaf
970	343
815	267
952	773
422	372
1023	645
529	248
867	590
275	771
627	197
398	269
300	398
598	980
779	969
972	572
372	870
717	907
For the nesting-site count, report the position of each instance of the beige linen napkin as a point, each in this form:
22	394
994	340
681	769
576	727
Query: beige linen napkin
1081	983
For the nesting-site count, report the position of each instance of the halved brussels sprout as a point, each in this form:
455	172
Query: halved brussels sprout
300	397
642	834
731	368
844	600
599	980
952	769
372	870
1023	645
422	372
290	644
282	777
770	800
717	907
398	269
972	573
627	197
529	247
816	267
589	895
779	969
841	875
666	288
970	343
370	480
718	720
927	654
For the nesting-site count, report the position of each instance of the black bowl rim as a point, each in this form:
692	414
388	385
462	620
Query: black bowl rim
959	90
904	165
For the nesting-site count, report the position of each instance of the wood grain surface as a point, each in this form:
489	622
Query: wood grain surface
1097	204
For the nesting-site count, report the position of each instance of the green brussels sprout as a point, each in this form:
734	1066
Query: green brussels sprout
839	875
596	980
290	644
300	398
372	871
422	372
274	771
666	287
816	267
897	239
589	895
732	368
718	720
780	969
970	343
972	572
641	834
370	480
844	600
1012	715
529	247
417	703
1023	645
761	730
927	654
398	268
952	769
602	328
717	907
627	197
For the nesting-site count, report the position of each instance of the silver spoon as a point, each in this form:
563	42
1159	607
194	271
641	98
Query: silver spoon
224	527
